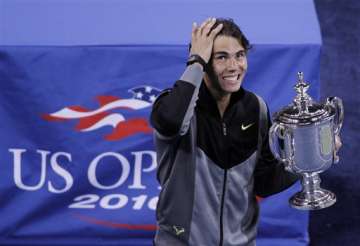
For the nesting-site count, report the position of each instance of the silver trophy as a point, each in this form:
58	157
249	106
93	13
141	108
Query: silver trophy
303	137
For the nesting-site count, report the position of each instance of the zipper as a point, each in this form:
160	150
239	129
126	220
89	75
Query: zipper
224	129
222	210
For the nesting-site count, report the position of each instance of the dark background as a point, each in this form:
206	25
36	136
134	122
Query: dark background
340	76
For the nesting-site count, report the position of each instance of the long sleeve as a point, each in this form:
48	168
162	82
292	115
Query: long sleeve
174	108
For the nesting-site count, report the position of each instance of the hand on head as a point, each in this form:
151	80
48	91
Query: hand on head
202	39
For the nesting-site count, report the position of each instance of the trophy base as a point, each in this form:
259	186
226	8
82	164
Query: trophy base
315	200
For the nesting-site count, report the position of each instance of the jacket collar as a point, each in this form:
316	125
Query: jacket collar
208	103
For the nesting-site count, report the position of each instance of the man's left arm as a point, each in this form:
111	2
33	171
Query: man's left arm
270	174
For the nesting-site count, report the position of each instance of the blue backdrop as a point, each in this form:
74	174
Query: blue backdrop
77	158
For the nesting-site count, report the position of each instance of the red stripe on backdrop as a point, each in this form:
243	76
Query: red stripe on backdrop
114	224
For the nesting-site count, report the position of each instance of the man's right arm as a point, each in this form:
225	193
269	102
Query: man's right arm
174	108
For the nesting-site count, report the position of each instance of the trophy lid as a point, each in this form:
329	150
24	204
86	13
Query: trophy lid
304	110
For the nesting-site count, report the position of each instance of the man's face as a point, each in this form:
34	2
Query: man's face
229	65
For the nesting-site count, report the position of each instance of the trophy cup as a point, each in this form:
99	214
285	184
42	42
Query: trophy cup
303	138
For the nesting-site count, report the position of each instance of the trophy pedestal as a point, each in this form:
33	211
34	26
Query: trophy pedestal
312	197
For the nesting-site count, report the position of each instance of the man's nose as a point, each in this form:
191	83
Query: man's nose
233	62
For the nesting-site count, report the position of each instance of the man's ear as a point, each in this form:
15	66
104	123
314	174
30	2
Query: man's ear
206	76
207	68
206	79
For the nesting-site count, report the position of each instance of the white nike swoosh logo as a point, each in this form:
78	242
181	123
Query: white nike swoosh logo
178	230
246	127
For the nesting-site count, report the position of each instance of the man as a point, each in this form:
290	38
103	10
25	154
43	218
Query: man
211	137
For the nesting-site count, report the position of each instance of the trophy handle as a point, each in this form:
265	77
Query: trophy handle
338	106
278	131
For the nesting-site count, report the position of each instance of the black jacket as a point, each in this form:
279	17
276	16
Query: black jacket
211	168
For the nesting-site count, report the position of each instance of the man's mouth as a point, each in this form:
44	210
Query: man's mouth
234	77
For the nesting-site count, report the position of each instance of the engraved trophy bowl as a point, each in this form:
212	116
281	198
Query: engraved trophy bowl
303	138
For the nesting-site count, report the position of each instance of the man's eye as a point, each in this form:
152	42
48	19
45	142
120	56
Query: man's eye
240	55
220	57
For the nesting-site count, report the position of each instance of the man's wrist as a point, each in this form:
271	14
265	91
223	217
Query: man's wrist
195	58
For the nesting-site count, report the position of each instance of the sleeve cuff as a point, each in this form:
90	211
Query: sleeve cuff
193	74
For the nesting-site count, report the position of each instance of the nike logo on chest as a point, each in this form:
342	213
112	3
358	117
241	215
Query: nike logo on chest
245	127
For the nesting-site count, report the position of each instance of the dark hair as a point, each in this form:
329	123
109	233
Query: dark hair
229	29
232	30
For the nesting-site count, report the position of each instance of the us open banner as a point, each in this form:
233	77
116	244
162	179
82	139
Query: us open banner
77	159
78	165
77	83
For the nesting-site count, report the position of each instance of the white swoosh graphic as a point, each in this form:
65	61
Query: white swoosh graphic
110	120
67	113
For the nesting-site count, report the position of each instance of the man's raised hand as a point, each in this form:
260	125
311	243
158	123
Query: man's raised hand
202	39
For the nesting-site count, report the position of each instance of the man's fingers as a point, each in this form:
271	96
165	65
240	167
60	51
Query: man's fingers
194	26
215	31
194	29
203	24
208	26
201	43
338	142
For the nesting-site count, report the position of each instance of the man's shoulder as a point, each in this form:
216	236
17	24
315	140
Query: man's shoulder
164	93
250	95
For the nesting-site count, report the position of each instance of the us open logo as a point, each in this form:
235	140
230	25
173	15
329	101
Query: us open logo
55	167
91	120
